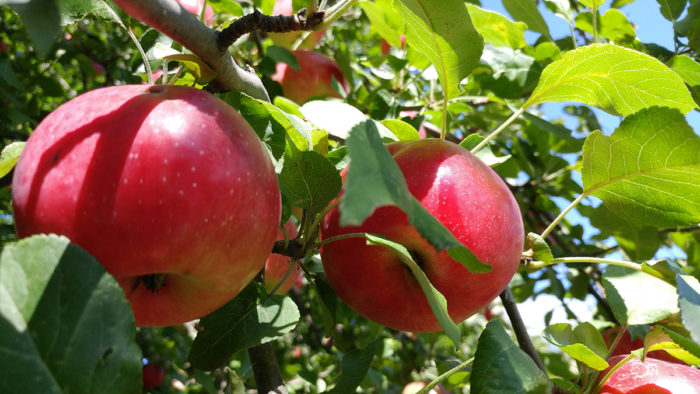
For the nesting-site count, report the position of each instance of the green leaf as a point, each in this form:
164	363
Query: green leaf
65	326
384	20
311	182
402	130
513	73
689	304
526	11
242	323
9	156
592	4
613	25
647	171
203	74
638	298
443	32
618	80
692	347
437	302
584	343
539	247
687	68
671	9
355	366
496	28
42	22
484	154
282	55
638	243
339	118
501	367
374	179
258	116
562	9
659	339
74	10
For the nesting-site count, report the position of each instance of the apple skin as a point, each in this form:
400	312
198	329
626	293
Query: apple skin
277	265
152	376
313	78
414	387
287	40
154	180
466	196
627	345
650	377
386	47
195	7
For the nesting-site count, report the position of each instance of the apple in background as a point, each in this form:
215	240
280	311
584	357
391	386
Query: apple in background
386	47
152	375
313	78
277	265
195	7
627	345
163	185
287	40
3	46
466	196
651	376
414	387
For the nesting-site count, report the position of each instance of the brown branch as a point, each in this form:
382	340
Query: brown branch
168	17
257	21
266	369
519	327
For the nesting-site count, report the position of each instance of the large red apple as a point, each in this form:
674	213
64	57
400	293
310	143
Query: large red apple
167	186
313	78
287	40
277	265
466	196
627	345
650	377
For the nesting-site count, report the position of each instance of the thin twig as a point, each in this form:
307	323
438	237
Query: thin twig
257	21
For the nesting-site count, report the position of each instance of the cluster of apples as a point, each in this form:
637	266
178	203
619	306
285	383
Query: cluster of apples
174	193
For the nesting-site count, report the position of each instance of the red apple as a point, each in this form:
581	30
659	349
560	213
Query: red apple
3	46
386	47
277	265
195	7
466	196
650	377
414	387
164	185
313	78
287	40
152	375
627	345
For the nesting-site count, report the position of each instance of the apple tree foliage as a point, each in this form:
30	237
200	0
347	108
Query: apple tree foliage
467	74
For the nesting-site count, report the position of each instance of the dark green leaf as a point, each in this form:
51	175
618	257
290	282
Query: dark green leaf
42	21
354	368
282	55
540	248
672	9
501	367
584	343
65	326
240	324
311	182
526	11
374	179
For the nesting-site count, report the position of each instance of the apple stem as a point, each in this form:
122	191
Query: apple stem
147	66
563	213
338	238
612	370
498	130
444	376
443	131
593	260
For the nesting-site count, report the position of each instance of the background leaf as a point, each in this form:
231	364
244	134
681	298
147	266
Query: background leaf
354	368
311	182
689	304
9	156
526	11
647	171
638	298
496	28
618	80
65	325
584	343
501	367
242	323
443	32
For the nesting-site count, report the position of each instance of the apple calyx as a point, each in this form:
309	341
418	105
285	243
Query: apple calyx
153	282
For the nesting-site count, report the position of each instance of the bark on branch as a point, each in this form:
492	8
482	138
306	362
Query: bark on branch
168	17
268	24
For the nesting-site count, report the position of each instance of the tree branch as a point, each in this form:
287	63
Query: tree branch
168	17
266	369
519	327
268	24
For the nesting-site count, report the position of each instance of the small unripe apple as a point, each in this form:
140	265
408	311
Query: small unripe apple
167	186
470	200
313	78
277	265
287	40
152	375
650	377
